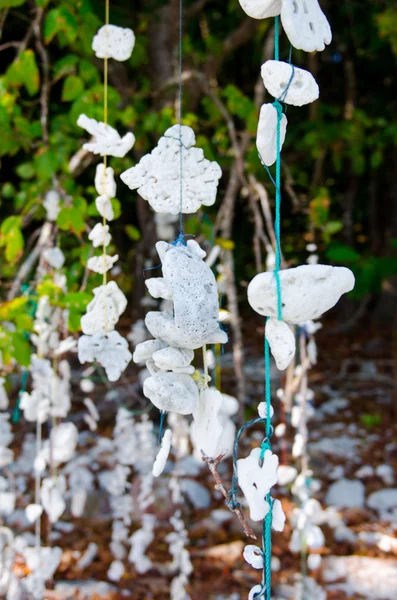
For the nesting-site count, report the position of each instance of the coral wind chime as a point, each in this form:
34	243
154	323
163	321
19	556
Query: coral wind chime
285	297
101	342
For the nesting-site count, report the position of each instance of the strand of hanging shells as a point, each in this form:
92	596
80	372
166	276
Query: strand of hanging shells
100	341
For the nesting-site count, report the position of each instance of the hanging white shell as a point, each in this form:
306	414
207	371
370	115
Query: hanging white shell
173	359
206	428
105	184
113	42
255	592
278	516
104	207
266	137
256	481
261	9
104	310
145	350
175	392
107	141
281	341
99	235
253	555
276	76
54	257
51	204
162	455
157	175
52	497
192	286
305	24
110	350
101	264
307	291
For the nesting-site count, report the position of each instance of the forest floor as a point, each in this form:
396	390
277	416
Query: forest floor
352	436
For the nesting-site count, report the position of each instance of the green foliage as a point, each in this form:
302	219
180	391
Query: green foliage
370	421
24	72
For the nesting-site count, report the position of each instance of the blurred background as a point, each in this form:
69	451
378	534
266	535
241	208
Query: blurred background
339	207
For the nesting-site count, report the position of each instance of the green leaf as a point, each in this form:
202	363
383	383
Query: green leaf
11	3
20	348
60	20
45	162
24	72
133	233
25	170
12	238
72	88
70	219
340	253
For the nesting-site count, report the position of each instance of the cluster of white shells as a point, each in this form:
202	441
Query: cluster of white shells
307	29
100	342
192	321
157	176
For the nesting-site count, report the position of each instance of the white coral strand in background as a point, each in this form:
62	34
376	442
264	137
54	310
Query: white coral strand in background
104	310
114	42
99	235
157	175
107	141
305	24
110	351
266	137
105	184
101	264
163	453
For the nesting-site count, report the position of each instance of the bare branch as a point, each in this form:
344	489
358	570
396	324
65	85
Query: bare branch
213	467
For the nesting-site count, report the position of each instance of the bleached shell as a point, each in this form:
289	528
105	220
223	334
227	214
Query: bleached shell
174	392
253	555
52	497
104	310
113	42
158	288
102	264
162	455
229	406
278	516
168	359
305	24
261	9
104	207
303	88
54	257
206	428
105	184
51	204
107	141
266	138
63	442
33	512
157	175
281	341
194	321
144	351
110	351
99	235
307	291
256	481
255	592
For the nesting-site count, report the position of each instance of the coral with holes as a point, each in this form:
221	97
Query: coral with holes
288	83
157	176
266	137
114	42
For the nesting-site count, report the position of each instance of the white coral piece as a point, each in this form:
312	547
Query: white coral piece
157	175
107	141
307	291
302	88
266	137
305	24
206	428
55	257
99	235
176	392
102	264
162	455
110	351
104	310
255	480
113	42
281	341
261	9
104	207
105	184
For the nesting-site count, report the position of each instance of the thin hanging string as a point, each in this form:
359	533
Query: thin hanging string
180	120
105	120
